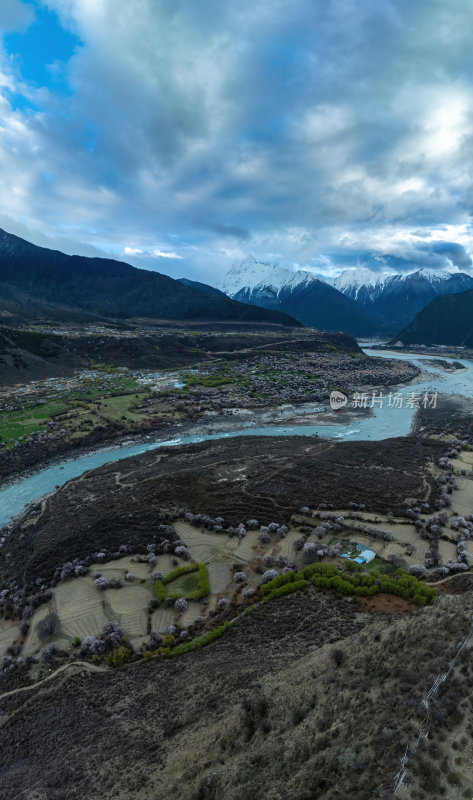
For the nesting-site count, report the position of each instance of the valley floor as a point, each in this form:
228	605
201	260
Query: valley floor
237	378
318	693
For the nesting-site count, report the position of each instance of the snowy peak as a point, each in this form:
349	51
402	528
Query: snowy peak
395	298
358	299
365	285
355	278
314	302
433	276
251	274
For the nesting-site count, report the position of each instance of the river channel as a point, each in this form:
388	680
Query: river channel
385	422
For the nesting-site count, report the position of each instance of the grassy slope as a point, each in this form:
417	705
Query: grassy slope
265	712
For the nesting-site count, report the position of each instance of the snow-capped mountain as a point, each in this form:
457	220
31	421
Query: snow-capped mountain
350	281
314	302
396	298
251	275
359	300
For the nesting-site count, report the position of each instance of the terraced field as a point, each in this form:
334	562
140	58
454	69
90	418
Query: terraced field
76	512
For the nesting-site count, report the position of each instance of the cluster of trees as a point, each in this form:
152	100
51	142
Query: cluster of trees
280	561
204	521
328	576
447	483
435	527
111	645
118	657
19	603
401	585
170	649
463	524
101	583
444	463
219	525
10	662
166	543
463	556
335	523
71	569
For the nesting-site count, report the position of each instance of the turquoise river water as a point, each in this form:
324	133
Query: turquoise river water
385	423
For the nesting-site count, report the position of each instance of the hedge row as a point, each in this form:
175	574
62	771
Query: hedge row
401	585
287	588
281	580
328	576
160	590
203	578
204	584
176	573
211	636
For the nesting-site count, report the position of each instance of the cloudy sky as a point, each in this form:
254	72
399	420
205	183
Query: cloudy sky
182	135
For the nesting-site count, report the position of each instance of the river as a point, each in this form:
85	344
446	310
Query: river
385	423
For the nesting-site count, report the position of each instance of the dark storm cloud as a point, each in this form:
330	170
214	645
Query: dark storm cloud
456	253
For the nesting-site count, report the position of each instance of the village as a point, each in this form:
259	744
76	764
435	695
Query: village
109	402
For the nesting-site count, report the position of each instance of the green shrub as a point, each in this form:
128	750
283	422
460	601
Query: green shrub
318	569
281	580
419	600
203	580
118	657
204	583
176	573
400	584
287	588
160	590
163	652
212	635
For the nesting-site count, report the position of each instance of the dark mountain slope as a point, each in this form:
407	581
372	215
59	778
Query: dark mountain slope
313	303
112	288
326	308
396	300
203	287
446	320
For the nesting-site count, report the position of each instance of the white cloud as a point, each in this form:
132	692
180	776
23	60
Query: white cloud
161	254
206	131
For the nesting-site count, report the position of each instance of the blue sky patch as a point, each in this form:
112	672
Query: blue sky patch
42	50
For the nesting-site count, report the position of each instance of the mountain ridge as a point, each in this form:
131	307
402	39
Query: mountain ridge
396	298
381	302
447	320
302	294
35	275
